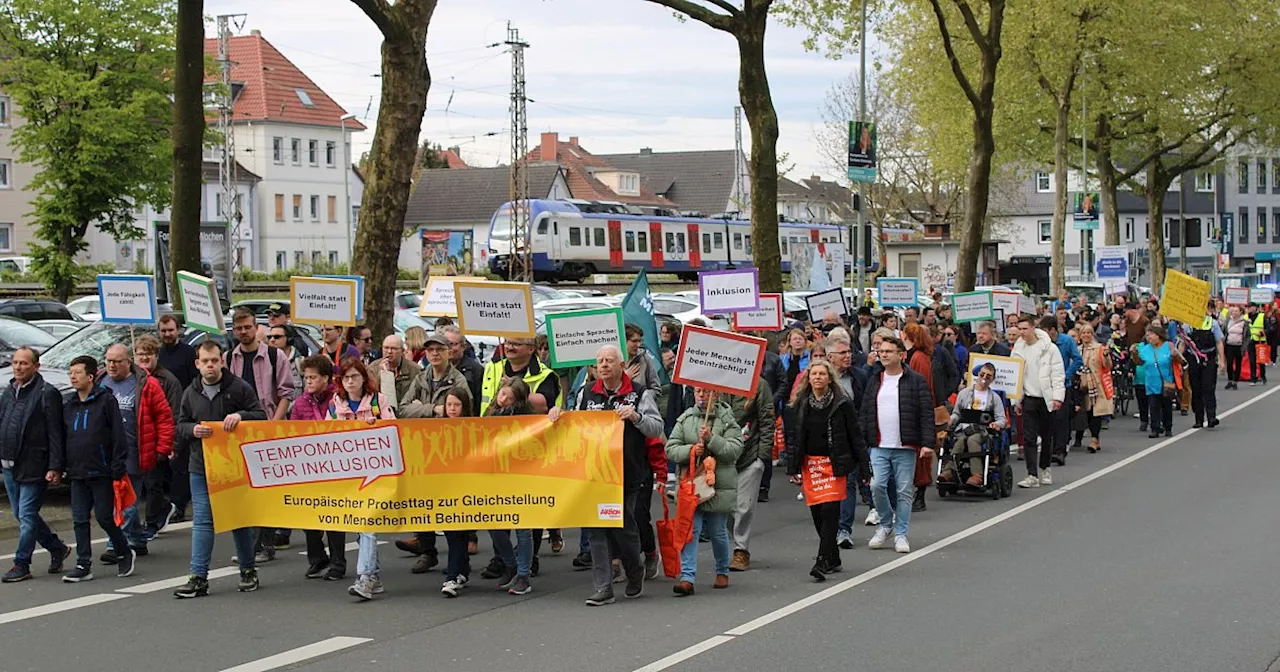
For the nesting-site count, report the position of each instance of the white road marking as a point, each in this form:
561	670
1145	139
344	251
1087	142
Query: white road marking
167	584
849	584
57	607
301	653
172	527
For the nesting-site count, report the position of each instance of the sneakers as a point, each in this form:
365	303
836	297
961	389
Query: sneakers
317	570
520	586
635	586
1046	477
124	568
366	587
582	561
879	538
267	554
77	574
533	566
452	588
557	541
424	564
600	598
844	539
493	570
281	541
900	544
196	586
507	579
873	518
248	581
1029	482
1213	422
817	572
15	574
763	497
57	559
335	574
651	566
741	561
169	518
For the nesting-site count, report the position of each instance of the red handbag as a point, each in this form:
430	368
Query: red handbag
125	498
686	505
667	546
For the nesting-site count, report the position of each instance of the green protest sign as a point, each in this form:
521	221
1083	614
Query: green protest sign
200	308
574	337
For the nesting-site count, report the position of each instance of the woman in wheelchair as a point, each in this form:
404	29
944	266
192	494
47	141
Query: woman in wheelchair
978	412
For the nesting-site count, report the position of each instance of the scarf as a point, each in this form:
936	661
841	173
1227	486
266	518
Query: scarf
822	402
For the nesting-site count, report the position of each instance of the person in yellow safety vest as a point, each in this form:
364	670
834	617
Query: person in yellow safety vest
1256	321
544	386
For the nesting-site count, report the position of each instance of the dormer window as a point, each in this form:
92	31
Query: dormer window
304	97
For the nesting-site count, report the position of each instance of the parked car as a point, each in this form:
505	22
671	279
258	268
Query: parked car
15	264
405	318
35	309
258	306
86	308
60	329
686	310
15	333
406	300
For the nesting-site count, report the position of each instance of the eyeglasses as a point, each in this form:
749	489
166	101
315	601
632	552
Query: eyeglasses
840	352
366	339
352	376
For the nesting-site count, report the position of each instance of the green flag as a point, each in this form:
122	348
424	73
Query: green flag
637	309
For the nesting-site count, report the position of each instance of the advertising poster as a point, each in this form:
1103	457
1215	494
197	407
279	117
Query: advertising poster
862	151
445	253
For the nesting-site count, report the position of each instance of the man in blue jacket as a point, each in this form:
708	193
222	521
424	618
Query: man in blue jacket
31	454
1071	363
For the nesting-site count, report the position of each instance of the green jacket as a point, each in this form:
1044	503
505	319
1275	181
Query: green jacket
422	390
725	445
756	419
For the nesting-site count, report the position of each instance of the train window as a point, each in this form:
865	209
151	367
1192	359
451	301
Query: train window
671	243
680	248
599	237
575	236
719	238
747	240
784	246
542	226
706	242
737	241
642	241
631	241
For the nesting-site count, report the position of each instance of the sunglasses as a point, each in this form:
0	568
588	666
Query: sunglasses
275	336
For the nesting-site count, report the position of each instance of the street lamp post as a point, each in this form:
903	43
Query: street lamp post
346	185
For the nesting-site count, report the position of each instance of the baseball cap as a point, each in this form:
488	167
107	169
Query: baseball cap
278	308
437	339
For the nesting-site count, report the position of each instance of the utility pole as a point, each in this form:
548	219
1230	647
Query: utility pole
1086	236
858	261
737	181
227	165
519	268
1182	223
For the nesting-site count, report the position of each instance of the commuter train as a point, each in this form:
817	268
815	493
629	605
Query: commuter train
571	240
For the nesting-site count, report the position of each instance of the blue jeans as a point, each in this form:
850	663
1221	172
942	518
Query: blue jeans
132	527
459	561
367	561
26	499
202	532
524	552
718	528
900	464
849	505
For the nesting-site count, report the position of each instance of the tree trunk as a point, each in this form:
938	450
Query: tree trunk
762	118
188	139
65	284
1157	185
978	184
1107	183
1058	262
405	81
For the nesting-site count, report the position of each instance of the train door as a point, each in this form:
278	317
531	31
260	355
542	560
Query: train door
695	247
615	243
655	245
813	235
555	248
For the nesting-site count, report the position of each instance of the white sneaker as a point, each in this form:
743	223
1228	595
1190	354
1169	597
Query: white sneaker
1046	478
1029	482
452	588
900	544
873	518
800	496
844	540
878	539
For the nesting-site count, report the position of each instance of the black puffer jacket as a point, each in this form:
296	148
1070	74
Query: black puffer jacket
774	375
848	450
915	410
946	373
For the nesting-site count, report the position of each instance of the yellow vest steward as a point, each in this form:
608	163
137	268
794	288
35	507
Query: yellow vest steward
1255	326
493	378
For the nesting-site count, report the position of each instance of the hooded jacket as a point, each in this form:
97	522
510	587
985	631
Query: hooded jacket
95	438
233	396
155	422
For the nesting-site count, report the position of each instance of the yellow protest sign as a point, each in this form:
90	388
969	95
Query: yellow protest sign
1184	298
418	475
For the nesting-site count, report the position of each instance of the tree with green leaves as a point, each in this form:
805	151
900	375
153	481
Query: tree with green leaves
90	82
746	21
405	81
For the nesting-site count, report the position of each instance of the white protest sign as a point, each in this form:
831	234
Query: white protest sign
502	309
1026	305
1236	296
366	454
437	300
729	291
721	361
1006	301
972	306
323	301
831	300
127	299
200	306
768	318
1262	295
575	337
1008	373
898	292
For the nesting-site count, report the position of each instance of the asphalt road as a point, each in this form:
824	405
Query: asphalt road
1152	555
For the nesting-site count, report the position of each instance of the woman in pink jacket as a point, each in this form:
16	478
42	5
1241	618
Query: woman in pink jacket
358	399
313	404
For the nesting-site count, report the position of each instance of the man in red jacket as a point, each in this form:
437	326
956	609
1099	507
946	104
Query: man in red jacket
149	428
